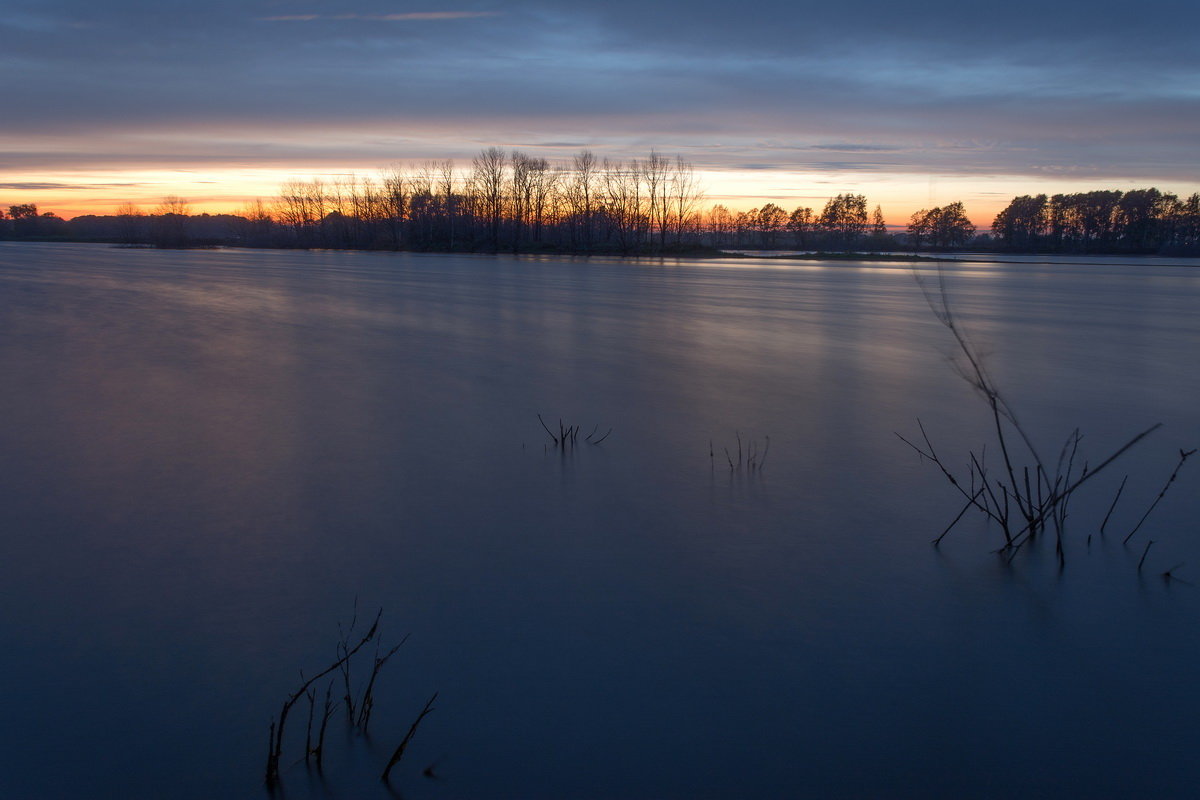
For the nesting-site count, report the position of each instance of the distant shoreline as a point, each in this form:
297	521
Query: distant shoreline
699	252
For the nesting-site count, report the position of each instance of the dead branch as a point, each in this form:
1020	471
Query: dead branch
412	731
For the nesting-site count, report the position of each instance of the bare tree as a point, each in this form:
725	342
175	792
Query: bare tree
655	173
623	202
580	196
449	202
170	227
543	184
173	204
686	196
722	225
520	193
131	224
487	181
394	205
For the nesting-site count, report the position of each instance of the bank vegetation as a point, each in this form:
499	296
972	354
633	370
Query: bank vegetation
510	201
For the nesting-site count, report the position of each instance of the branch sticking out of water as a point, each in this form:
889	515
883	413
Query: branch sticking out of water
367	703
412	731
364	706
328	712
750	457
1183	457
343	648
1117	497
568	435
1142	560
1169	575
273	756
1019	498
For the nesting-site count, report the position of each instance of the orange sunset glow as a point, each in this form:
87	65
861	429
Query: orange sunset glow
228	189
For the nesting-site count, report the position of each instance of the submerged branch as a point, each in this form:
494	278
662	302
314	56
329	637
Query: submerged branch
412	731
1183	457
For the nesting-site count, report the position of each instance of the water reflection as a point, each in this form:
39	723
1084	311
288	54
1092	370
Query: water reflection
209	455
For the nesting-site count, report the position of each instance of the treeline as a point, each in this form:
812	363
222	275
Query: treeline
352	214
170	225
505	201
843	225
1137	221
509	201
26	222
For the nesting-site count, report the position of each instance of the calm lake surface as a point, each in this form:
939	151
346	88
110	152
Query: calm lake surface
208	458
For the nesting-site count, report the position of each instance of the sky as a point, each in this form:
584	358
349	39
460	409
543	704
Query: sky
913	104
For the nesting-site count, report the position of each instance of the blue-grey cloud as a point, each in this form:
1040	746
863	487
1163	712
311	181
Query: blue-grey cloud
929	86
857	148
409	16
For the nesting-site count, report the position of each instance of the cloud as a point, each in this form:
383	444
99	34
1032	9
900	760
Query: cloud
856	148
412	16
34	186
41	186
576	145
933	86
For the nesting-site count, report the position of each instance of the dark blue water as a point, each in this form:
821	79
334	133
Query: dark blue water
208	458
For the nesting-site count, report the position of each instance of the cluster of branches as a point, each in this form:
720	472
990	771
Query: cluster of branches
568	435
754	462
1025	495
1137	221
359	704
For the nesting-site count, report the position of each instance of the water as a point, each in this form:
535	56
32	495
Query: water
210	457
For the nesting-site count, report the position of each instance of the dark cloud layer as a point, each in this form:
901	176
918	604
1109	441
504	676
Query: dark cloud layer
931	85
